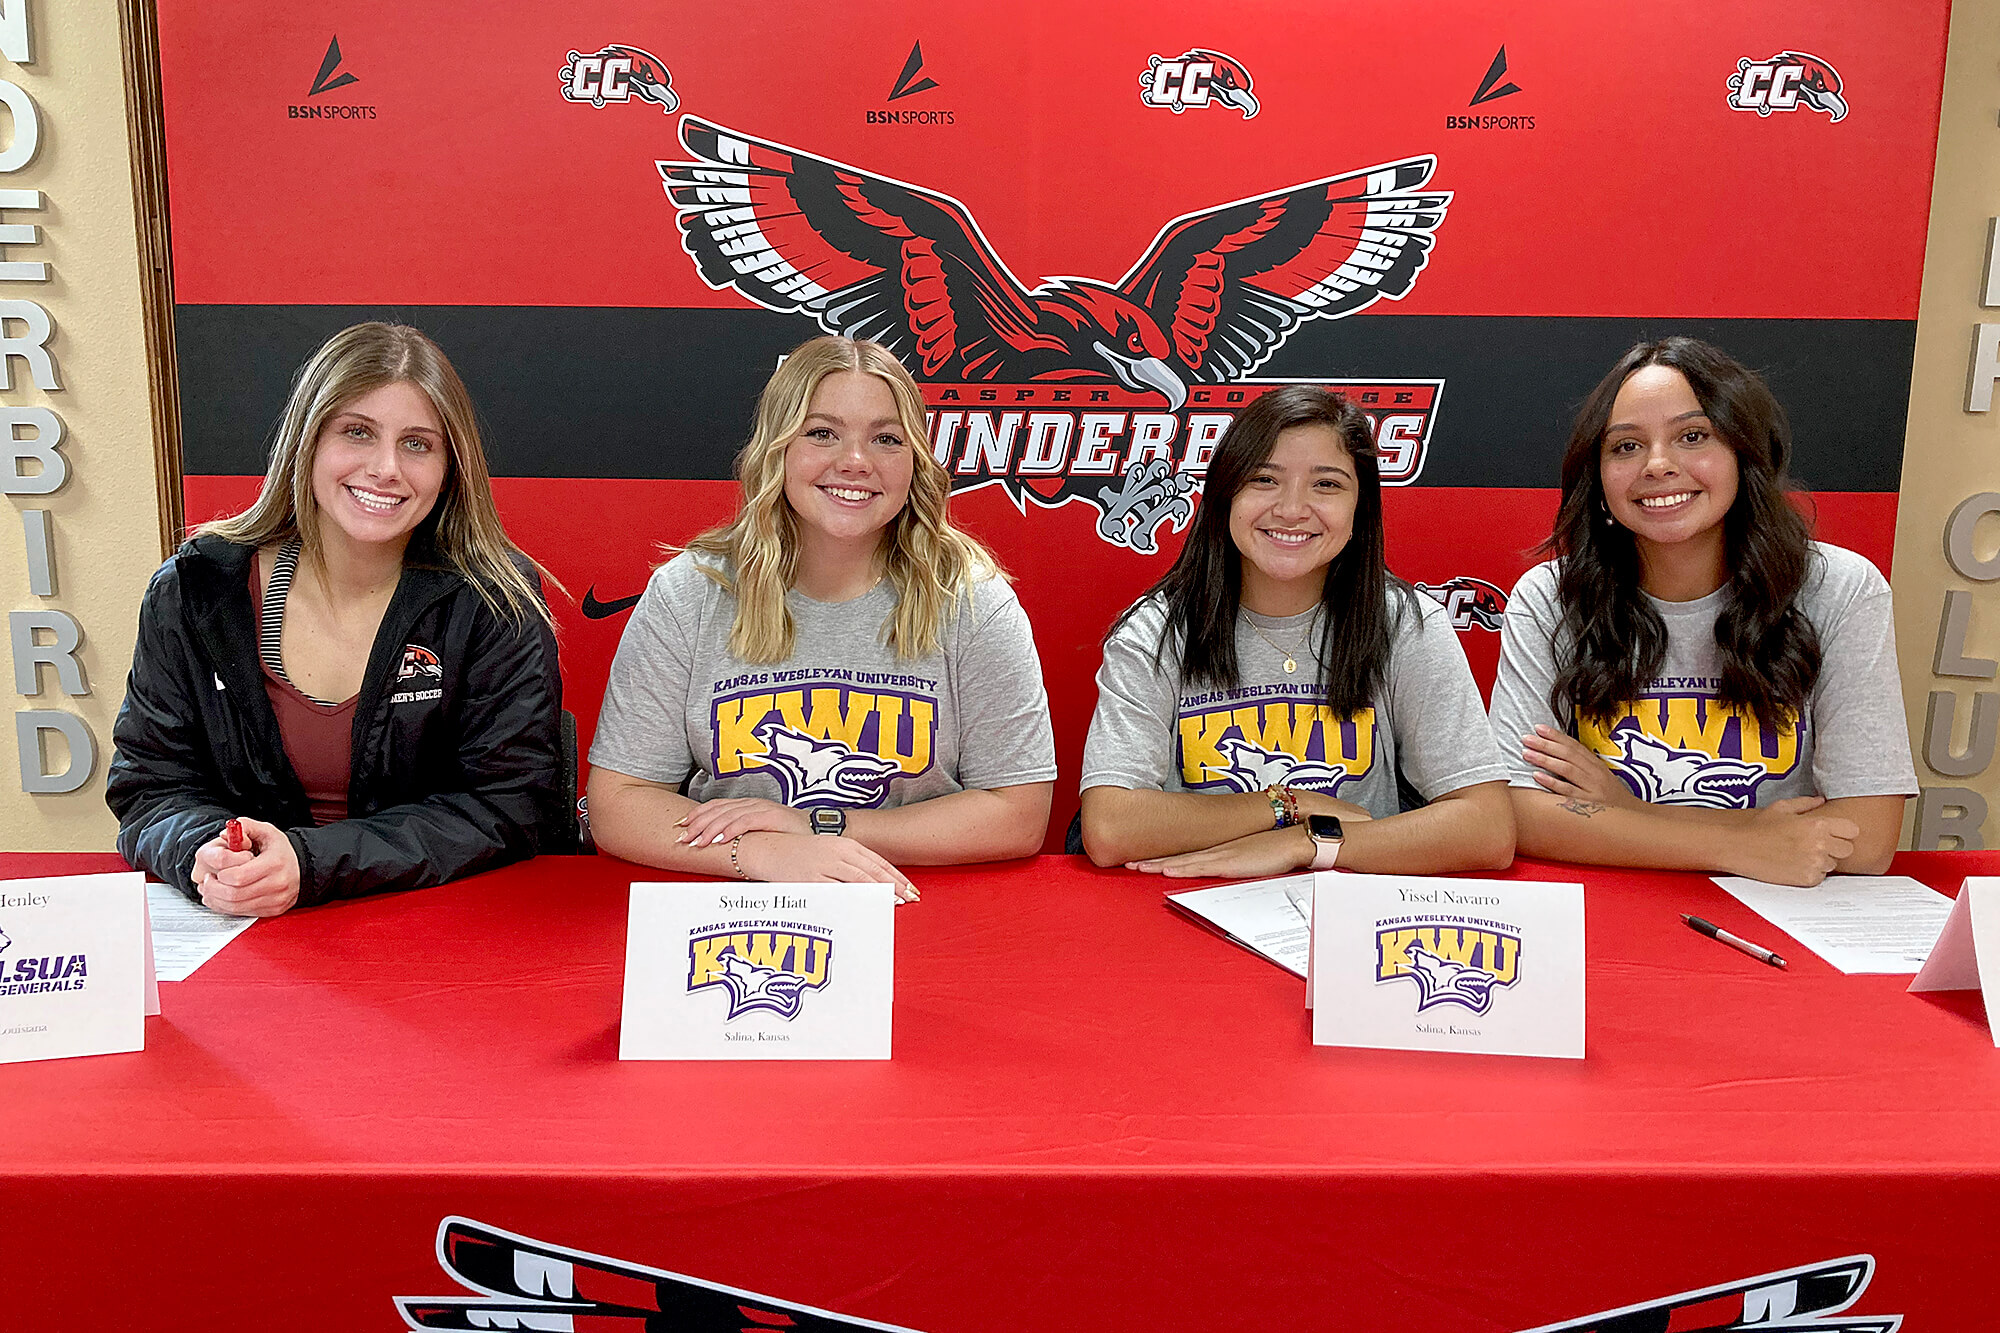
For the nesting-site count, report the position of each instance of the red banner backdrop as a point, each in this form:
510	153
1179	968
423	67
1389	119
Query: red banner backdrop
1092	235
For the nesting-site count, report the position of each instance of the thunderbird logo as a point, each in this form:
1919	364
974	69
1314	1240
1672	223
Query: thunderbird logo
419	661
1212	298
522	1283
1473	603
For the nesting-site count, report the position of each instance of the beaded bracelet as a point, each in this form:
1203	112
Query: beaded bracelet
735	864
1281	814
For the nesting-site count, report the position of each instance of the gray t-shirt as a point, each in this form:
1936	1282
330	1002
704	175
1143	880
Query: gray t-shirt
1675	745
1154	730
844	720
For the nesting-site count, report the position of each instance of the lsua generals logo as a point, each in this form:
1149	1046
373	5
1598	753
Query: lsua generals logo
40	976
1451	959
507	1280
1197	78
1786	82
768	965
1679	745
1263	736
1112	395
618	74
827	736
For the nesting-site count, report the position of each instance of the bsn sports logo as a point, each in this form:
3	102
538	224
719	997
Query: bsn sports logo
1452	960
1680	747
330	77
909	82
1473	603
1786	82
1074	389
518	1282
769	969
419	661
1197	78
618	74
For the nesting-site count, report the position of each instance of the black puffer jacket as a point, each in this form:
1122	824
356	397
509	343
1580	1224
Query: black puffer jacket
455	735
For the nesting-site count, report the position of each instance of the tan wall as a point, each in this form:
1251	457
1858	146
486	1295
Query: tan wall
1952	453
106	518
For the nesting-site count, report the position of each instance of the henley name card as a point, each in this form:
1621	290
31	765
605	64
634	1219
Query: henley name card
759	972
73	954
1478	966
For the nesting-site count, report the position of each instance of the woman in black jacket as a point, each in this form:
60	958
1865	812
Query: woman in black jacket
356	678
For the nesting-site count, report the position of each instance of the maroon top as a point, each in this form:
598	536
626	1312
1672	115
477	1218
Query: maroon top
318	738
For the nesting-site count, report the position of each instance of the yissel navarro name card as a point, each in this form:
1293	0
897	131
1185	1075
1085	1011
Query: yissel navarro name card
759	972
72	966
1489	967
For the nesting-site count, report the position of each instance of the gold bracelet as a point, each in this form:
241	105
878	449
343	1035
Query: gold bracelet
735	864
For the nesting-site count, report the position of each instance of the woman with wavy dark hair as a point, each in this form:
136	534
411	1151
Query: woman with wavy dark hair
1694	683
1279	699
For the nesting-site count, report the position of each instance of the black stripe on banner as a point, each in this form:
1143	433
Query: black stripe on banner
623	392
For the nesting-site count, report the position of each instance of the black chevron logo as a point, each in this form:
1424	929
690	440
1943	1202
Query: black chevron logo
326	81
1494	73
911	68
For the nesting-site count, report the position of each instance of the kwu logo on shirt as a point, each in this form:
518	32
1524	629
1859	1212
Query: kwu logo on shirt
1072	389
1688	748
824	744
1291	742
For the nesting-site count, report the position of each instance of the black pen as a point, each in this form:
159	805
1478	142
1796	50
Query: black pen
1716	932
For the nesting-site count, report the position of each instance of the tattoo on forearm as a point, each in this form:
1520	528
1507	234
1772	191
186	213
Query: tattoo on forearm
1576	805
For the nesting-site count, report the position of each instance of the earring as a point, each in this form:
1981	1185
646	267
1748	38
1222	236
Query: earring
1605	510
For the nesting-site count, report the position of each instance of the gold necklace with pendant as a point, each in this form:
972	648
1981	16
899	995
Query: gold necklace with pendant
1292	657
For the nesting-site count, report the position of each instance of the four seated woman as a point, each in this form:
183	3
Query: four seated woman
838	681
359	667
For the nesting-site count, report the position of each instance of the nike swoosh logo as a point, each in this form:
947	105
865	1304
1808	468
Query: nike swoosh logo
597	610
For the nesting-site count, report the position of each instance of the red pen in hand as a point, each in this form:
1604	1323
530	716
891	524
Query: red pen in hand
232	833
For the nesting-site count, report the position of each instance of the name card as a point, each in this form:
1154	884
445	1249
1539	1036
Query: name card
73	966
759	972
1968	948
1476	966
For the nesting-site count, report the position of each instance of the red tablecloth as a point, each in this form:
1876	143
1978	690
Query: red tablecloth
1099	1117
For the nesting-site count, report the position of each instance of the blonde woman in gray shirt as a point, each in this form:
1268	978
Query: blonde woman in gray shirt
843	682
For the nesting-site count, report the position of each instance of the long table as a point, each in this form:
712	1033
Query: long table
1099	1117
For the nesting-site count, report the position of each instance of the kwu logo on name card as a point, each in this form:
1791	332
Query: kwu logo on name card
721	971
74	963
1487	967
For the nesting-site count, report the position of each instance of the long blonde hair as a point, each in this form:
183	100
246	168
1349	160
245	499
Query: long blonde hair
462	531
930	564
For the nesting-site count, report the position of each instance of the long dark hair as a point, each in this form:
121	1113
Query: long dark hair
1203	590
1615	639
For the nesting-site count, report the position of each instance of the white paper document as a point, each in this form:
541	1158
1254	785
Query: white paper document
1269	917
1857	923
186	934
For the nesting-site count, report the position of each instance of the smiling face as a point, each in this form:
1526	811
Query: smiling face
378	467
1291	517
847	471
1668	477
